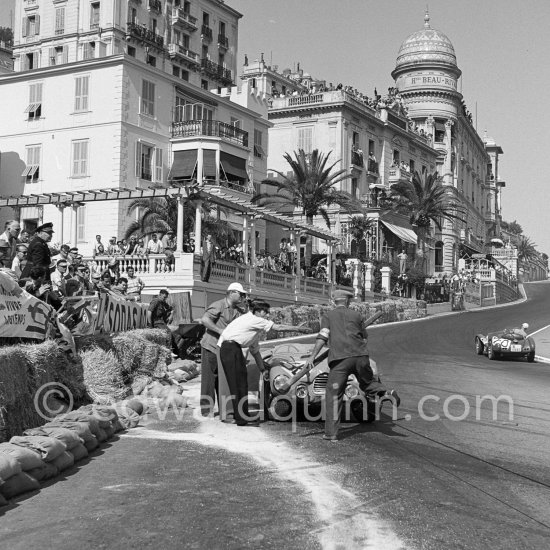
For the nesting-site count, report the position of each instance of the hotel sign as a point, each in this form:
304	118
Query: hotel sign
429	80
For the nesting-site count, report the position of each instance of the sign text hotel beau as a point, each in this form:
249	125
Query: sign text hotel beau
422	81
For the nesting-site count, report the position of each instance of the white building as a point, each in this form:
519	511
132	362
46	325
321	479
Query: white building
103	97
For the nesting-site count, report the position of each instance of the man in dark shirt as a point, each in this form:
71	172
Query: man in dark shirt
38	253
344	332
159	312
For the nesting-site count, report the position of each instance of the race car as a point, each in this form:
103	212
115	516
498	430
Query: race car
510	342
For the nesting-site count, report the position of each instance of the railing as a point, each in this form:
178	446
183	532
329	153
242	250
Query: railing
274	279
398	174
206	32
223	41
142	265
247	188
228	271
333	96
314	286
145	34
183	17
178	49
213	128
215	70
305	99
357	158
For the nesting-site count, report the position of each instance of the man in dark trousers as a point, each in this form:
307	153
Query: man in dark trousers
38	253
216	317
342	329
160	312
208	258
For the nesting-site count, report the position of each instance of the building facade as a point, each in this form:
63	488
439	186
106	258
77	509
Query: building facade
99	100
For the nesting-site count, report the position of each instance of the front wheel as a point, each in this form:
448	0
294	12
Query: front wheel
479	346
491	353
531	357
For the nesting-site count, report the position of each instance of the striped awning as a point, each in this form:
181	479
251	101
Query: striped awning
405	234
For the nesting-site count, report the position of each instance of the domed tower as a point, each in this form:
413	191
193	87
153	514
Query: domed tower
426	76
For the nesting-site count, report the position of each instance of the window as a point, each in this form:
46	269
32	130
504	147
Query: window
88	50
411	165
187	110
30	61
30	26
32	171
355	139
185	41
175	71
59	20
205	52
396	156
151	60
131	51
94	14
147	98
35	101
222	28
187	7
149	162
235	122
80	214
258	149
80	158
154	26
371	147
81	89
184	74
206	19
204	84
305	138
133	16
59	55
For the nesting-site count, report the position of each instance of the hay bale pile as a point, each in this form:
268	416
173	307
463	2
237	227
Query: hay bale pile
42	453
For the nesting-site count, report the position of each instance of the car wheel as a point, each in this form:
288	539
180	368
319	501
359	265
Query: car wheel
357	408
490	353
479	346
531	357
280	409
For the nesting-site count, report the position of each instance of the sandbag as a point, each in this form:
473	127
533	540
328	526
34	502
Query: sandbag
68	437
18	484
110	431
81	416
174	401
79	452
91	444
118	426
48	447
35	431
103	417
82	429
47	471
154	389
128	418
27	458
63	461
101	435
9	466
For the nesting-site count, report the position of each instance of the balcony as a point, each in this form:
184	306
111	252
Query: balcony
206	33
216	71
184	19
155	5
142	33
223	42
329	97
177	50
357	157
397	175
209	128
372	167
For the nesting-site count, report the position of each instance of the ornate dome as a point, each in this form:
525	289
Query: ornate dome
425	46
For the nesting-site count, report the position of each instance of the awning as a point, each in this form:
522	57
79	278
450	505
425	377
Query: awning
377	186
233	166
235	226
405	234
497	241
184	164
209	163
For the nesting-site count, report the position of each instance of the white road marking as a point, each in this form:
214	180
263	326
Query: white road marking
347	524
540	330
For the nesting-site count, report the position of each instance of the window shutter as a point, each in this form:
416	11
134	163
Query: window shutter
77	93
76	156
52	56
102	50
83	158
37	24
138	159
25	26
65	54
85	81
35	60
38	92
158	164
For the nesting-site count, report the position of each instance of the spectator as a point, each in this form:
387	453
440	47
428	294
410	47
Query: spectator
170	260
121	287
40	287
208	258
10	235
132	245
83	277
112	248
96	280
169	241
113	270
191	246
59	277
140	249
38	253
135	285
20	259
24	237
63	254
159	313
154	246
4	254
99	249
73	254
105	282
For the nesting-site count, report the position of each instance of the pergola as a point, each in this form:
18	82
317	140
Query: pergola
215	194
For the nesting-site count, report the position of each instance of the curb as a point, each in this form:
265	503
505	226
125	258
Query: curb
541	359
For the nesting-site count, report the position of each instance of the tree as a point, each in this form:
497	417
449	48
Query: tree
309	187
6	35
425	201
360	227
527	251
160	214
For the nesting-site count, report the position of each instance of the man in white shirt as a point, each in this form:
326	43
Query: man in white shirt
59	276
20	259
245	332
154	246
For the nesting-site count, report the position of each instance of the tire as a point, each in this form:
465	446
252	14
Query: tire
490	353
280	410
357	410
479	346
531	357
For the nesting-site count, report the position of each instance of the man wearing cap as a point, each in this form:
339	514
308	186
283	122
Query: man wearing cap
38	253
342	329
216	317
11	236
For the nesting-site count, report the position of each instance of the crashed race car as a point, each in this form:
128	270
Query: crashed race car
510	342
284	399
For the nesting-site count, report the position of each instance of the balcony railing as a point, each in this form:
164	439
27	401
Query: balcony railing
223	41
143	33
155	5
357	157
184	18
372	166
178	49
333	96
398	174
211	128
206	33
216	71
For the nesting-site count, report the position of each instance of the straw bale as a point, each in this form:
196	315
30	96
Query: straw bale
140	383
154	335
103	376
102	340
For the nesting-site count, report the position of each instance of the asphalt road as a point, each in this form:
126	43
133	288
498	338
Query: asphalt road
475	477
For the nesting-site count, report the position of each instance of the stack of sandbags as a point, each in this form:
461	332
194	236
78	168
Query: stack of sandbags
183	371
51	450
74	444
16	467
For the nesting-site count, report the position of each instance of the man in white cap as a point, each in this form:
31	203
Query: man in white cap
342	329
216	317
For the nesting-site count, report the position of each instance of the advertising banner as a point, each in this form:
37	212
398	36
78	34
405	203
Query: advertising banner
21	314
117	314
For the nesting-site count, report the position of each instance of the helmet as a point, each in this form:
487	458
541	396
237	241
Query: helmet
525	326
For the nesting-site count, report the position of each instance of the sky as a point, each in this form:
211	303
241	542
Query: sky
6	8
502	48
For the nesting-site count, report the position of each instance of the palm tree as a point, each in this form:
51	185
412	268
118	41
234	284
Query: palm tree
527	251
160	214
309	187
425	201
360	227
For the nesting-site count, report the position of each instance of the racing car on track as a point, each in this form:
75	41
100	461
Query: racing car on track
510	342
